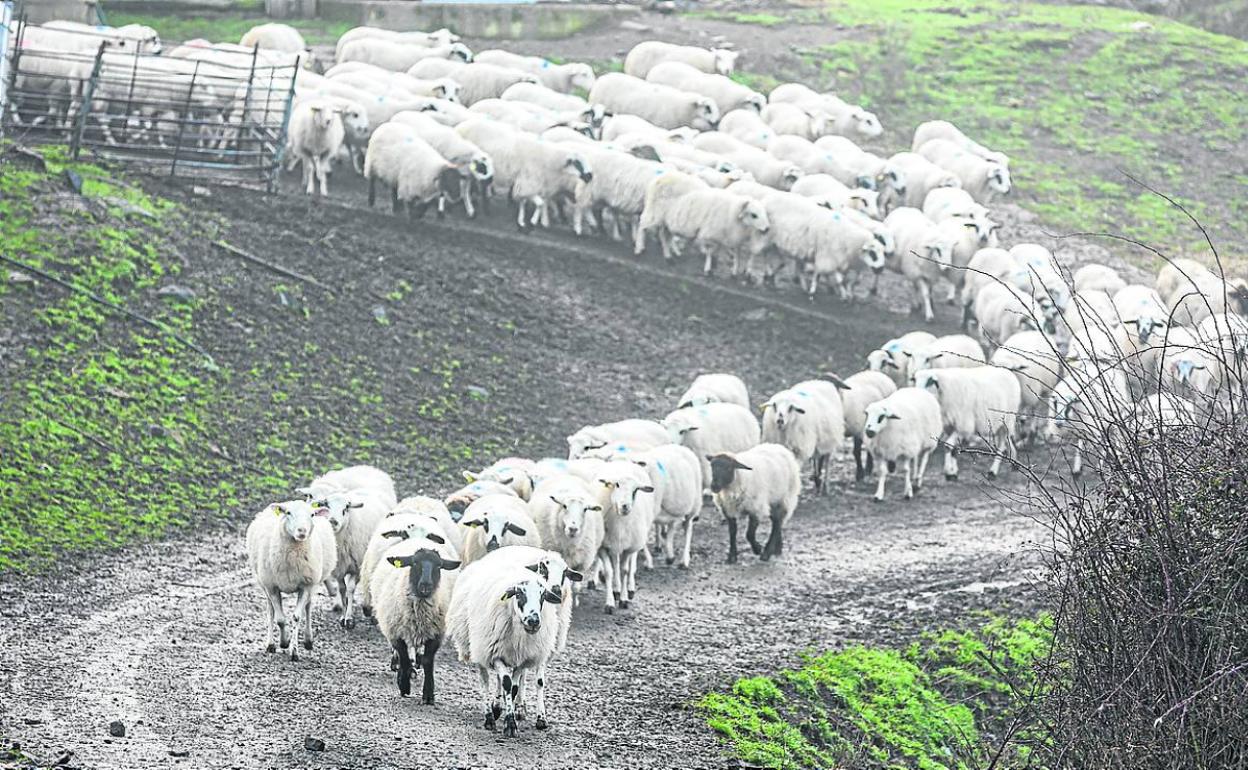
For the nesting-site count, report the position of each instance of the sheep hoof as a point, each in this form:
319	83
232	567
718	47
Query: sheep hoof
510	728
670	560
541	723
682	565
496	711
756	548
490	722
272	648
609	609
368	611
428	701
632	595
623	604
878	498
732	559
307	644
951	477
766	556
294	655
346	623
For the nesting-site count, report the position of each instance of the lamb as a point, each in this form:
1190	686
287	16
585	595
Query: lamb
920	176
397	56
413	520
1098	277
411	598
943	129
983	179
504	639
893	357
904	428
475	166
628	511
564	78
413	37
829	192
787	119
715	388
642	433
458	501
275	37
1004	310
526	169
747	126
290	550
727	94
809	420
765	480
924	253
712	429
316	135
1030	355
661	105
981	401
416	173
715	220
495	521
476	81
513	472
948	352
863	169
865	388
645	56
676	476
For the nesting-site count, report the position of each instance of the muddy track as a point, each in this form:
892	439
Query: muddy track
167	637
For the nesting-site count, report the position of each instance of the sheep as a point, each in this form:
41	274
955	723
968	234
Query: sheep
411	597
657	210
529	118
829	242
1207	295
1030	355
415	172
413	37
807	156
952	203
664	106
1144	315
413	520
903	427
865	388
766	168
316	135
645	56
1004	310
715	220
476	81
617	125
495	521
564	78
352	515
1226	334
786	119
1090	309
528	170
618	186
1189	369
513	472
1087	397
862	169
978	401
504	639
1048	285
291	550
1176	278
747	126
569	518
712	429
943	129
948	352
829	192
715	388
809	420
398	56
392	85
841	118
474	166
458	501
727	94
923	254
274	37
643	433
893	357
919	177
765	480
983	179
988	266
595	115
676	476
1098	277
628	511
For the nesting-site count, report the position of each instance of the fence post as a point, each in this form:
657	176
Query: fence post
88	93
279	153
8	81
186	116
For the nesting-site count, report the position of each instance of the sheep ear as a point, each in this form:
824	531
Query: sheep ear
435	538
557	501
799	410
399	533
573	575
553	597
892	416
306	492
507	481
649	489
400	561
450	564
534	567
355	505
472	523
513	529
509	593
740	466
689	430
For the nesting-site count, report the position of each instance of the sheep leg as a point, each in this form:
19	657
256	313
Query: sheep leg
639	239
465	192
506	677
309	174
775	541
922	469
608	581
883	477
708	257
347	584
405	667
417	211
1001	447
620	565
906	471
487	697
304	611
925	294
1076	465
732	541
394	200
632	574
684	556
520	219
426	660
751	536
277	619
669	543
951	455
859	471
649	557
322	171
541	723
372	191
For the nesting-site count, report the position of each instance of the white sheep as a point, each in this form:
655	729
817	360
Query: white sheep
495	521
1226	334
595	115
842	118
504	620
618	187
316	135
1048	284
765	480
628	511
1189	368
661	194
417	174
747	126
716	221
291	550
830	192
412	37
642	433
862	168
765	167
623	124
476	81
983	179
712	429
952	203
829	243
865	388
893	357
988	266
1034	360
981	401
414	519
398	56
661	105
713	388
727	94
920	176
943	129
902	428
948	352
412	591
527	117
1098	277
786	119
274	37
1207	295
564	78
676	476
514	472
1176	277
924	251
807	156
809	420
645	56
1145	317
458	501
1088	397
474	165
1004	310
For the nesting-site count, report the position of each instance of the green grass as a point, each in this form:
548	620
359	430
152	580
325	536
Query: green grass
1073	94
228	27
930	706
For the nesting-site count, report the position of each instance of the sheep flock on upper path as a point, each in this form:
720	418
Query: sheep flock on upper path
673	152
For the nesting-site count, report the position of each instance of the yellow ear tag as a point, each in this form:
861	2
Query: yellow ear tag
277	510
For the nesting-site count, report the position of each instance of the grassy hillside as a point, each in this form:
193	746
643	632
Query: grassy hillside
1078	96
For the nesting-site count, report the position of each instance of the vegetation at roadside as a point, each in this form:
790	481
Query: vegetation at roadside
953	700
228	27
1076	95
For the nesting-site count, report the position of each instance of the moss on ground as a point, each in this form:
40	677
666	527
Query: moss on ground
947	701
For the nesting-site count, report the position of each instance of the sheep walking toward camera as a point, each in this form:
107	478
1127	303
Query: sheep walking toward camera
764	481
902	428
316	136
808	419
496	521
412	520
893	357
291	550
676	476
1033	359
628	512
569	519
715	388
865	388
981	402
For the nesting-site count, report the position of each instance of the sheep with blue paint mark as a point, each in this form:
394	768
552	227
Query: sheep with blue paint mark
644	433
417	174
564	78
496	521
514	472
717	387
712	429
676	476
763	481
865	388
727	93
747	126
809	420
893	357
458	501
903	429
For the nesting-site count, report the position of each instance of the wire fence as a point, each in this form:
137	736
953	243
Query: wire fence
204	111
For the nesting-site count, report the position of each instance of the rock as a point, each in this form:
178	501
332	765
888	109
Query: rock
476	391
117	729
634	26
757	314
202	191
180	293
17	276
313	744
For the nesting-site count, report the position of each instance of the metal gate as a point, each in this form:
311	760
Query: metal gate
205	111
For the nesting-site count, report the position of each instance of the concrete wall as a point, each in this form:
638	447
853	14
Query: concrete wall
501	21
39	11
